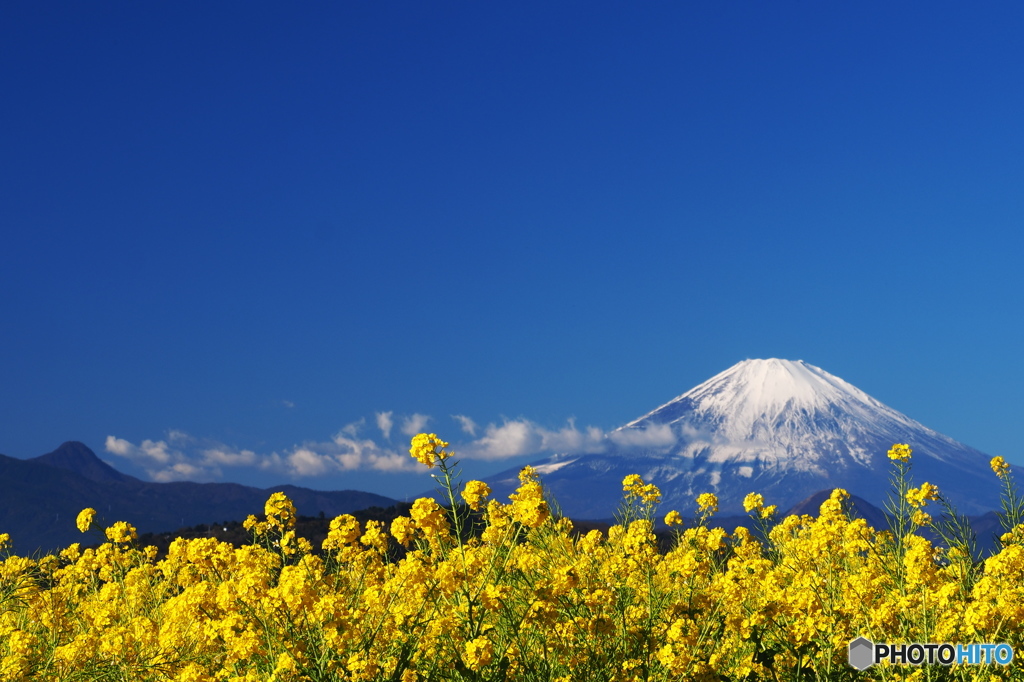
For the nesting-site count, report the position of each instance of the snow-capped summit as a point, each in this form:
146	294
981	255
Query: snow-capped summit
753	391
782	413
783	428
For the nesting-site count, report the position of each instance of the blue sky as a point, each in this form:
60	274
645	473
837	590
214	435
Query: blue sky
244	231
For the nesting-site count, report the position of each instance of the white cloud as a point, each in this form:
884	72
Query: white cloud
159	451
226	456
119	446
384	423
184	457
305	462
161	461
180	471
176	436
516	438
511	439
572	440
414	424
150	452
392	462
466	424
353	428
204	460
655	436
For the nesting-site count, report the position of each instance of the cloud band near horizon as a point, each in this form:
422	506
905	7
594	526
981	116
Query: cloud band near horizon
181	456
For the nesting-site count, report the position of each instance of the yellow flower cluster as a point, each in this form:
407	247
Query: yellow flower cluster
754	502
647	493
121	532
343	531
428	449
474	494
707	502
528	505
528	599
900	452
85	519
429	517
280	512
918	497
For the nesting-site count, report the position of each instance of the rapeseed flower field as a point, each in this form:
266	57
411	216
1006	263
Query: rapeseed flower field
523	599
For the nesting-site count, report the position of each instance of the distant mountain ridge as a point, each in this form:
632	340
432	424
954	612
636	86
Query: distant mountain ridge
43	495
783	428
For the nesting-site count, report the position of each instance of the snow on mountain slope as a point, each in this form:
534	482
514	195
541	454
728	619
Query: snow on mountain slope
783	428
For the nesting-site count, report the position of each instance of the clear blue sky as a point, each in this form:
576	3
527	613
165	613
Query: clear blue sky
235	229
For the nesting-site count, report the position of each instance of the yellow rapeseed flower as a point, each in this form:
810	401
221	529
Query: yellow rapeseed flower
280	512
753	501
1000	467
253	524
428	449
121	532
343	530
900	452
5	540
478	653
85	518
707	502
650	494
673	518
528	505
474	493
375	537
647	492
403	529
918	497
493	596
429	516
285	666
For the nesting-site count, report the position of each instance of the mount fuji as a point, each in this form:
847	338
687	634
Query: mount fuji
782	428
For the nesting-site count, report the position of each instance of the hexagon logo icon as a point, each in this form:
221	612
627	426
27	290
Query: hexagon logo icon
861	653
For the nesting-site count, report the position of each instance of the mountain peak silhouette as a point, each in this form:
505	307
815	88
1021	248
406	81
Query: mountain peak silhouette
77	457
